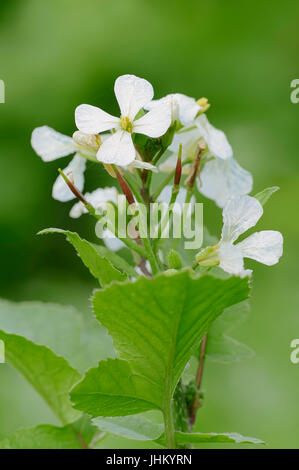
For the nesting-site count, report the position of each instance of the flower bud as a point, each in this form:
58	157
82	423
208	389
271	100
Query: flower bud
208	256
90	142
174	260
178	169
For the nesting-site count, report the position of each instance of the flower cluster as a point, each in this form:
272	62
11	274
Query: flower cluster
171	135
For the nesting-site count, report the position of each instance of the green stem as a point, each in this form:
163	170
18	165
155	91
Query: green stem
151	256
169	425
127	241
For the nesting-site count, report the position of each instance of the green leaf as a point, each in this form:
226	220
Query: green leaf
110	390
264	195
77	435
137	427
98	264
49	374
199	438
120	263
221	347
156	325
82	342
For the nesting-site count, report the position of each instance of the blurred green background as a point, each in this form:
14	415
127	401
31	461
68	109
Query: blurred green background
56	54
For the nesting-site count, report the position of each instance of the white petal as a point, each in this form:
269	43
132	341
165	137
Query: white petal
155	123
74	170
168	100
239	214
50	144
102	195
144	165
188	108
96	199
182	107
231	259
169	164
77	210
132	93
189	140
215	138
118	149
91	120
111	241
165	194
265	247
221	180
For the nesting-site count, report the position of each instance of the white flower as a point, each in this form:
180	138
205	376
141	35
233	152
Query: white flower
75	172
183	108
51	145
132	94
215	139
221	180
97	198
240	214
221	177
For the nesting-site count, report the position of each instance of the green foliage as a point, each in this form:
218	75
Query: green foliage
95	259
48	373
200	438
137	427
156	325
77	435
80	340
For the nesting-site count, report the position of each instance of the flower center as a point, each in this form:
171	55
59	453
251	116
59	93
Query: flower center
126	124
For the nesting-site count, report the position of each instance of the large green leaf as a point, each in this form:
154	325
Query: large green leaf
81	341
97	262
77	435
49	374
156	325
221	347
198	437
138	427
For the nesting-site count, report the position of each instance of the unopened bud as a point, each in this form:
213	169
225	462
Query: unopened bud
91	142
125	187
195	169
204	104
174	260
208	256
178	169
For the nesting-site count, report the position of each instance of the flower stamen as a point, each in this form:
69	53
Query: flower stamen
126	124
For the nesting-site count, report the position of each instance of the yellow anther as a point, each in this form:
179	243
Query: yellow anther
126	124
204	104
